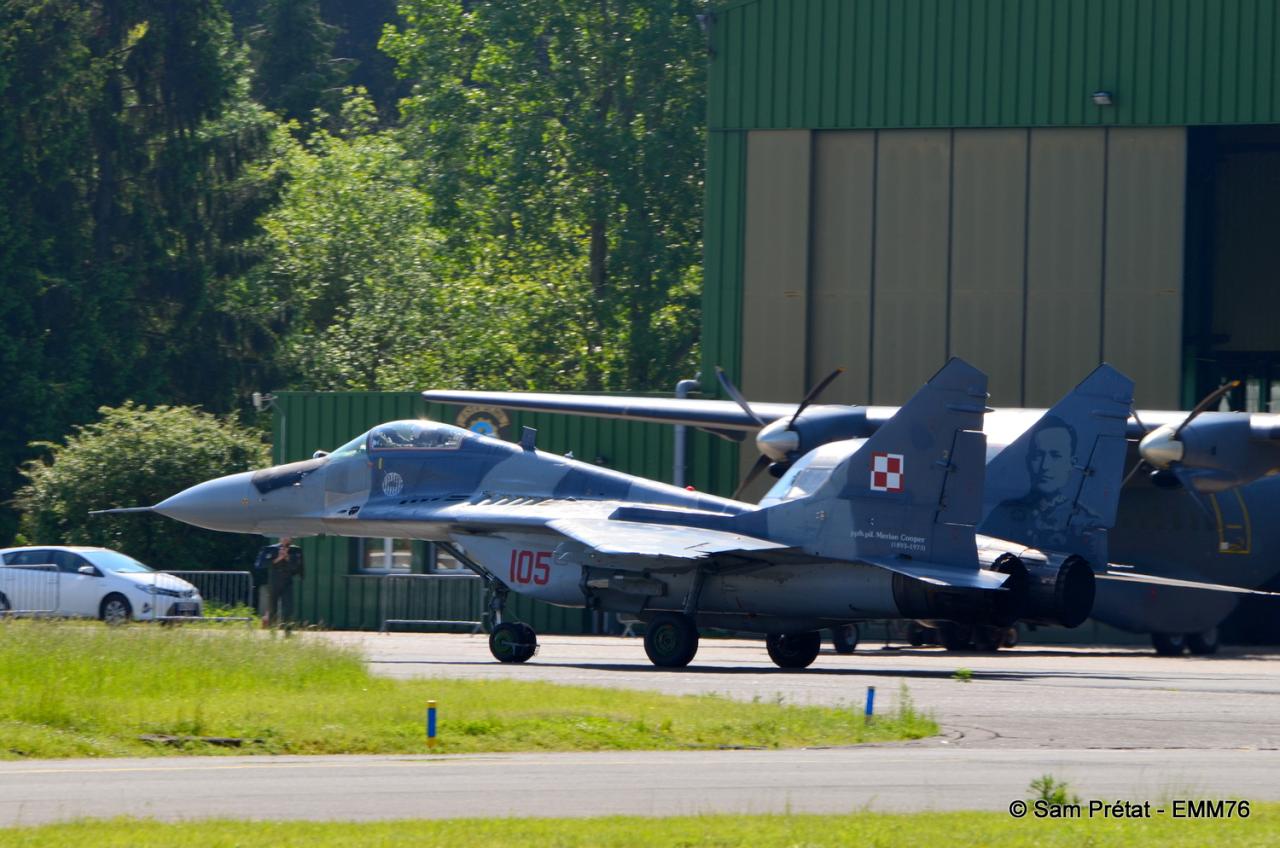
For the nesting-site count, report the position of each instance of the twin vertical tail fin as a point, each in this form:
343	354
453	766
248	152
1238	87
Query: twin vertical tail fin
920	476
909	496
1057	487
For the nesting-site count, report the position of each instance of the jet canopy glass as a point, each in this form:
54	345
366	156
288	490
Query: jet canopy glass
809	472
403	435
415	435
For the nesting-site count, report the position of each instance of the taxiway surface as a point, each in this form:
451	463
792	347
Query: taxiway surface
1113	723
1027	697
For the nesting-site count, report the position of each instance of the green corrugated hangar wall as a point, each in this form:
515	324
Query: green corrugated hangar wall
338	593
892	182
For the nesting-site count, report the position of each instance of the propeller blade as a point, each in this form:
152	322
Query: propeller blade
762	463
1141	461
814	393
1209	400
1136	468
737	396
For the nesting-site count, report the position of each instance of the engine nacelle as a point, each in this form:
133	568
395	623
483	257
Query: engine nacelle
928	603
1058	592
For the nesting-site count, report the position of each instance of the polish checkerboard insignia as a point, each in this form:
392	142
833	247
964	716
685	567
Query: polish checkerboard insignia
886	472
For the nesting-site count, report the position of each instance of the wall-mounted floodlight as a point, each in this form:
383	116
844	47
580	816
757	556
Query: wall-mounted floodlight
262	402
707	23
1102	98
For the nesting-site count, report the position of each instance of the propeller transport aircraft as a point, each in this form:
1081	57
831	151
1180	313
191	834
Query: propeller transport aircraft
1194	535
911	521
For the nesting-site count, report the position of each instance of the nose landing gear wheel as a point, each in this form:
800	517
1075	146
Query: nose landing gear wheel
793	650
671	640
513	642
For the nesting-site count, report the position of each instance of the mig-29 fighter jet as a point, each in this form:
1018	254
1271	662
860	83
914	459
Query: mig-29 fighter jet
1201	519
869	528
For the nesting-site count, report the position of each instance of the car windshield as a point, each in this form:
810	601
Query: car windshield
117	562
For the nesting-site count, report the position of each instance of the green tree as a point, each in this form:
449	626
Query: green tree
138	456
125	129
295	71
571	130
357	294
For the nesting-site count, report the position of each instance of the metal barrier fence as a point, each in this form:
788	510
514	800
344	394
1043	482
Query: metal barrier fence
224	588
45	590
421	599
229	590
30	589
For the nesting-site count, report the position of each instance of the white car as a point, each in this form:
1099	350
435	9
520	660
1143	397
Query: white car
77	582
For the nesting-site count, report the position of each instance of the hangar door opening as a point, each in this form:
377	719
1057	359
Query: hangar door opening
1232	314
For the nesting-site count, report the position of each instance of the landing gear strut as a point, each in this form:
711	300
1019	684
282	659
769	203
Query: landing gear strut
671	639
793	650
509	641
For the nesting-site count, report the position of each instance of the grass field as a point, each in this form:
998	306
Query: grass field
77	690
866	830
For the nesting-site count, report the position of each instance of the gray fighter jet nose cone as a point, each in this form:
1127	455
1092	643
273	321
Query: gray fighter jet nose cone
221	504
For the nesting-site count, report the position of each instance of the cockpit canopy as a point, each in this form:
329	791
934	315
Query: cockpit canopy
404	435
415	435
810	471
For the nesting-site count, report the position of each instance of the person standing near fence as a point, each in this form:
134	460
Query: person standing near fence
281	562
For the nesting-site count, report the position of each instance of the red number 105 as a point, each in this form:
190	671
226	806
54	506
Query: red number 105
529	567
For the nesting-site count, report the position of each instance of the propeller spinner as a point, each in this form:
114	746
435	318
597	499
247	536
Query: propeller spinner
1162	448
778	441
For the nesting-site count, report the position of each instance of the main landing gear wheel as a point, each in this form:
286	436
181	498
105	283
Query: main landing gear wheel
1203	643
1169	644
513	642
955	637
793	650
845	638
671	640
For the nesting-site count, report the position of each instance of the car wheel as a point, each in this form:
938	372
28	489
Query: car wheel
4	604
115	610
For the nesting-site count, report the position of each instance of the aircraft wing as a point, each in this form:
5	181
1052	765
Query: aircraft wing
713	415
633	538
1153	580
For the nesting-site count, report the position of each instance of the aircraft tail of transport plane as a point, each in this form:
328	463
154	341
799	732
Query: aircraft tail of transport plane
1056	487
